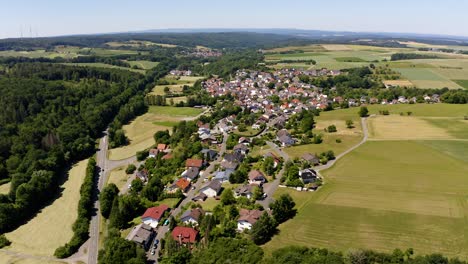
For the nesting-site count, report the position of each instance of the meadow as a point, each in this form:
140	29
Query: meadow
141	130
176	84
386	195
52	226
5	188
145	65
449	70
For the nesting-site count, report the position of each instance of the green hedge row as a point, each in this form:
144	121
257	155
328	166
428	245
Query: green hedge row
85	208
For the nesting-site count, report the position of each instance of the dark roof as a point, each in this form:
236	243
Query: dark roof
214	184
194	214
140	233
234	157
192	173
250	216
229	165
311	158
244	190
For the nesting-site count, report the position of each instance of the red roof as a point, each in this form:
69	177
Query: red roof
183	183
184	234
167	156
162	147
194	163
155	212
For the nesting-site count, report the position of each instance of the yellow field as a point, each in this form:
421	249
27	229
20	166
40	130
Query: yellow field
7	258
401	83
52	227
336	47
395	127
5	188
118	177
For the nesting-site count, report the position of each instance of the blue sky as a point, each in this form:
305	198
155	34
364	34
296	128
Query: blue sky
54	17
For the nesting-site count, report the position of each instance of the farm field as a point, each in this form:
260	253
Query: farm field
145	65
36	54
386	195
450	70
141	130
7	258
176	84
51	227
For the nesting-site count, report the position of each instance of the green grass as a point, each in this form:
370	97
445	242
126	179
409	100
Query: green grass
166	123
146	65
103	65
171	202
462	83
456	149
457	127
385	195
175	111
422	110
209	204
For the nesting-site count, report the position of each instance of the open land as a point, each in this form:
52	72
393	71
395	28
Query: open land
52	227
177	83
141	130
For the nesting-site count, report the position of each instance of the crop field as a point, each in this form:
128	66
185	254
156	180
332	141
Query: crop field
177	83
36	54
401	83
7	258
141	130
426	78
386	195
52	226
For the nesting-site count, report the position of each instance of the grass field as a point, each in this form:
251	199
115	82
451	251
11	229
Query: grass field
401	83
386	195
176	84
209	204
118	177
52	227
146	65
6	258
141	130
462	83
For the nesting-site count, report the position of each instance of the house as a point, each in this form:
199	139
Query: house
168	156
236	156
223	176
241	148
307	175
185	235
244	140
284	138
199	198
153	153
191	173
229	165
256	177
153	215
181	184
142	234
209	154
142	175
197	163
276	159
247	218
161	147
192	217
246	190
212	188
311	158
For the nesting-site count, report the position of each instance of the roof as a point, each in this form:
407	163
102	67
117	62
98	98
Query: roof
155	212
214	184
244	190
194	163
283	132
182	183
255	174
194	214
310	157
250	216
241	147
140	233
184	234
191	173
153	152
162	146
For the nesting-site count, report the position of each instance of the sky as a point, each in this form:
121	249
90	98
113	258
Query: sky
66	17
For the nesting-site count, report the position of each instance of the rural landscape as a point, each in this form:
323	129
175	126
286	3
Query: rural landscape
234	145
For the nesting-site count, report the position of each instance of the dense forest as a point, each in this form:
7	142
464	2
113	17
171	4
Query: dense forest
52	115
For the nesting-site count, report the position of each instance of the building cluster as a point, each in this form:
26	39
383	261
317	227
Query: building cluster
181	73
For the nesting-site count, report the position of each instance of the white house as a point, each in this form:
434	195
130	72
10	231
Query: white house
211	189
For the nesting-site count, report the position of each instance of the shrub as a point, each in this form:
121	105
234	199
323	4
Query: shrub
4	241
130	169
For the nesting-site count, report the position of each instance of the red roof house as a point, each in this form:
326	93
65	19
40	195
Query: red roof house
184	235
161	147
197	163
153	215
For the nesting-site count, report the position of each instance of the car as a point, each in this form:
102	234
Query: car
153	252
166	222
264	195
193	187
156	242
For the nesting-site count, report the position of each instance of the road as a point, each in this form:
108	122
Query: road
364	139
162	230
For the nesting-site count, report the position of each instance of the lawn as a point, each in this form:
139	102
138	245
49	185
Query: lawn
423	110
456	127
385	195
176	84
52	226
209	204
6	258
141	130
171	202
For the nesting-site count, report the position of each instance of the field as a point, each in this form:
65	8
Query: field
52	227
450	70
145	65
386	195
141	130
176	84
118	177
65	52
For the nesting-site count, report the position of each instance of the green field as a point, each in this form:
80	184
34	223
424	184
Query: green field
145	65
386	195
176	84
175	111
462	83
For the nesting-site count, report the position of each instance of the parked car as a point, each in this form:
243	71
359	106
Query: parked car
156	242
166	222
153	251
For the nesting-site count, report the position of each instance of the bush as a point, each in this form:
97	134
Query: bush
130	169
331	129
141	155
4	241
338	140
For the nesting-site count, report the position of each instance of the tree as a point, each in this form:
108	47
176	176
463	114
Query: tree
331	129
242	127
349	123
283	208
263	229
363	111
229	250
227	197
106	199
130	169
269	165
118	250
137	186
257	193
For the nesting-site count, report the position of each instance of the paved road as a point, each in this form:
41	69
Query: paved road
364	139
162	230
